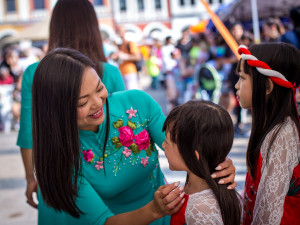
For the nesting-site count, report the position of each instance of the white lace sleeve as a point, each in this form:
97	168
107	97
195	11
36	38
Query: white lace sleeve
203	208
276	172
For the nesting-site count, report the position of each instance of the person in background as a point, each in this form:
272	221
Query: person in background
128	55
73	24
293	36
271	30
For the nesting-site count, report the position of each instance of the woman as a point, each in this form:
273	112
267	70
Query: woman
72	119
94	155
73	24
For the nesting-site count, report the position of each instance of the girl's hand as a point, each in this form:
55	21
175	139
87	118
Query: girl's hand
168	199
226	170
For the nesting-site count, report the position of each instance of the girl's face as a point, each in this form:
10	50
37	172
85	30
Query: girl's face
172	153
244	88
91	100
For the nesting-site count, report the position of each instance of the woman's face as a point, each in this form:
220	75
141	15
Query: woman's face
244	88
91	101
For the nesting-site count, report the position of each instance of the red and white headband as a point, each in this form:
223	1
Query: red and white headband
263	68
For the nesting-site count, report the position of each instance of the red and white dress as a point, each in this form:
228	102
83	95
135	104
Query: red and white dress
273	196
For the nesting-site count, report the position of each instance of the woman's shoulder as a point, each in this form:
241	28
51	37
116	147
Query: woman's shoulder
29	74
130	95
137	99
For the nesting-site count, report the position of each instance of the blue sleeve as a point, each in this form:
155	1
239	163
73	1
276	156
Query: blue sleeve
95	212
25	132
112	78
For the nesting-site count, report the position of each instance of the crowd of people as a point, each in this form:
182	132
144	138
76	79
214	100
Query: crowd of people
89	142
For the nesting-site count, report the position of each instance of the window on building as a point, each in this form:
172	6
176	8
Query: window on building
193	2
122	5
220	1
39	4
141	5
181	2
157	4
98	2
210	1
10	5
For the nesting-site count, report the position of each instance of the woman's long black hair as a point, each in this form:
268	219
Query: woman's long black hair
55	92
273	109
207	128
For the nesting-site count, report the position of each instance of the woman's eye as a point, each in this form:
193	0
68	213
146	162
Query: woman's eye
83	104
100	89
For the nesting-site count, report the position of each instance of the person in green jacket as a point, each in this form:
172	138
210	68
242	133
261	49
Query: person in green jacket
95	156
73	24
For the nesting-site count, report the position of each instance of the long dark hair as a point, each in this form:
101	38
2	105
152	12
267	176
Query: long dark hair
55	93
207	128
273	109
74	25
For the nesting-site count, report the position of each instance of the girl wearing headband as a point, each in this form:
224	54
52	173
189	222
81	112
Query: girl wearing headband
269	74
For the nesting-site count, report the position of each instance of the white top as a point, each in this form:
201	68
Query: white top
276	173
203	208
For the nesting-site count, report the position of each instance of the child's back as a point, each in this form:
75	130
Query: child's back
203	208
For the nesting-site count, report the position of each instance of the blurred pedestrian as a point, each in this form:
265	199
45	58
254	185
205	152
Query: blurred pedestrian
293	36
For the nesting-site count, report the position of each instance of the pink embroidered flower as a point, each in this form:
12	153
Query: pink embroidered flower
88	155
142	140
99	165
127	152
131	112
144	161
126	136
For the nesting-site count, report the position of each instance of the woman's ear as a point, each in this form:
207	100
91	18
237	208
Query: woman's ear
197	154
270	86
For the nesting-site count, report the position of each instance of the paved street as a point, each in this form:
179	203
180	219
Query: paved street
13	207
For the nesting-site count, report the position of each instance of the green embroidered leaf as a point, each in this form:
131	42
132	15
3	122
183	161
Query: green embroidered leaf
148	151
115	140
132	125
118	145
152	145
134	148
118	123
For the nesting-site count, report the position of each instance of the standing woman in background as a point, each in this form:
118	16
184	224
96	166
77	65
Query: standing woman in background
73	24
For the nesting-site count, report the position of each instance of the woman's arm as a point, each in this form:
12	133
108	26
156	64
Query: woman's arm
163	204
25	132
30	178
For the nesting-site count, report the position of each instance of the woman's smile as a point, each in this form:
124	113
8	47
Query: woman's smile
97	114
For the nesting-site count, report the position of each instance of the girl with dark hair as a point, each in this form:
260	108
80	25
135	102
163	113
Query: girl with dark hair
94	155
73	24
269	74
197	144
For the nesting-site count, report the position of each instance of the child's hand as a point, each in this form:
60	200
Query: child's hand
168	199
226	170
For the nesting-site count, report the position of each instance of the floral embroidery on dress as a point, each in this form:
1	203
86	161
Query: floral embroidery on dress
144	161
99	165
131	113
130	141
88	155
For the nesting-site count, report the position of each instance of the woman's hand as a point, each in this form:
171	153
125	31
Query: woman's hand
226	170
168	199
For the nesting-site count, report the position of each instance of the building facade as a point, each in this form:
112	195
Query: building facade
141	18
